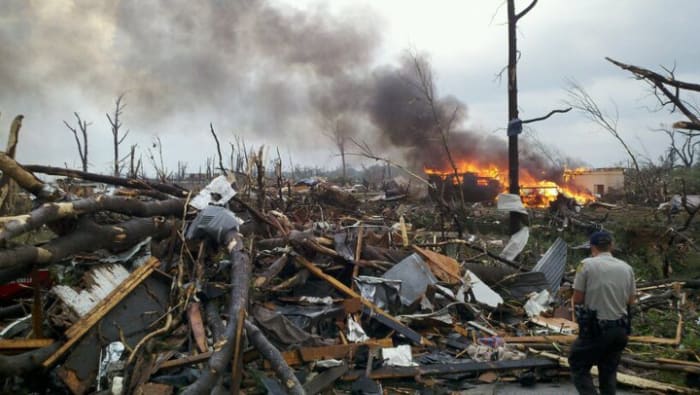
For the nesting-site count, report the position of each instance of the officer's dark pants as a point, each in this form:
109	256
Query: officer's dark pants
604	351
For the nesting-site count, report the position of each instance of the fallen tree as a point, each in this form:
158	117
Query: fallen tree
87	236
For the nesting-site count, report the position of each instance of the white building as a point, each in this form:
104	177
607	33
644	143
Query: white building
598	181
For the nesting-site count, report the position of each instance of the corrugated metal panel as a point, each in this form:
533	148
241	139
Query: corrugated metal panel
553	263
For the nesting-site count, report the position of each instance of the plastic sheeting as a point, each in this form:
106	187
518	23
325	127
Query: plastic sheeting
511	202
398	356
516	244
219	186
482	293
383	292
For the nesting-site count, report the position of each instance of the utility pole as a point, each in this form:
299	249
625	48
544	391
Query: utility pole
513	165
514	123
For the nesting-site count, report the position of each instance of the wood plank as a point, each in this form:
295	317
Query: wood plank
24	344
440	369
188	360
570	339
194	316
337	351
381	315
677	362
325	380
443	267
622	378
80	328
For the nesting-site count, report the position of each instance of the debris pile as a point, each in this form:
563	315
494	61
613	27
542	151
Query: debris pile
150	288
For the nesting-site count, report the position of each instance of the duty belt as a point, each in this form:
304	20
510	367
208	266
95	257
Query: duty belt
613	323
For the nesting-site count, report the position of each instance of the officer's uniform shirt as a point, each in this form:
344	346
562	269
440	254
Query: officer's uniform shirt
607	283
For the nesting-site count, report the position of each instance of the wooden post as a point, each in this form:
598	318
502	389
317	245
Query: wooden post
37	316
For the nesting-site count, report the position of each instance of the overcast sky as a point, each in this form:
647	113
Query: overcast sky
61	56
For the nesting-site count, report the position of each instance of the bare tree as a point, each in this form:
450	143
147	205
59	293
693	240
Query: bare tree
218	150
117	139
339	131
82	146
683	147
134	165
583	102
443	118
181	170
673	94
158	164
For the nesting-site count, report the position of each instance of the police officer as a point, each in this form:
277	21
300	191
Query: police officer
604	289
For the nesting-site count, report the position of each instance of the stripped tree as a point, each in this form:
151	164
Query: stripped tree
82	146
117	136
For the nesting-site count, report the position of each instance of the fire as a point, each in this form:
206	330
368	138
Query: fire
535	191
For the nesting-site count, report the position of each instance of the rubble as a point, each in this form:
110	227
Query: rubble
176	291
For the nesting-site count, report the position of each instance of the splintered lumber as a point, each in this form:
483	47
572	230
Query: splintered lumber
240	279
49	212
622	378
336	351
80	328
444	267
452	368
377	313
88	236
271	354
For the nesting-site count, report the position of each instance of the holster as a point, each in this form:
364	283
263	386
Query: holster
587	320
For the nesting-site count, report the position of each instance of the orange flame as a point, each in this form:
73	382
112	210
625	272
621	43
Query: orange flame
535	192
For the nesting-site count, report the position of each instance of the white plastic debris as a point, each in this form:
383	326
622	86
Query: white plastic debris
327	300
118	386
537	303
220	186
516	244
511	202
112	353
398	356
482	293
355	332
329	363
129	254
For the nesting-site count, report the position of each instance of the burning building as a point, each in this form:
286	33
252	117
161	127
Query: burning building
485	182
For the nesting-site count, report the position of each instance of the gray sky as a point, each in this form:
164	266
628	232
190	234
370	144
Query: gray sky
255	71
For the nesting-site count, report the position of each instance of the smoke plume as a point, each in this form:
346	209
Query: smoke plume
255	68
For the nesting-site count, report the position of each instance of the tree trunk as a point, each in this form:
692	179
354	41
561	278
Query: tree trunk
125	182
88	236
49	212
240	279
272	354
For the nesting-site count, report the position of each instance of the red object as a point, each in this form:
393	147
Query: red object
23	285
